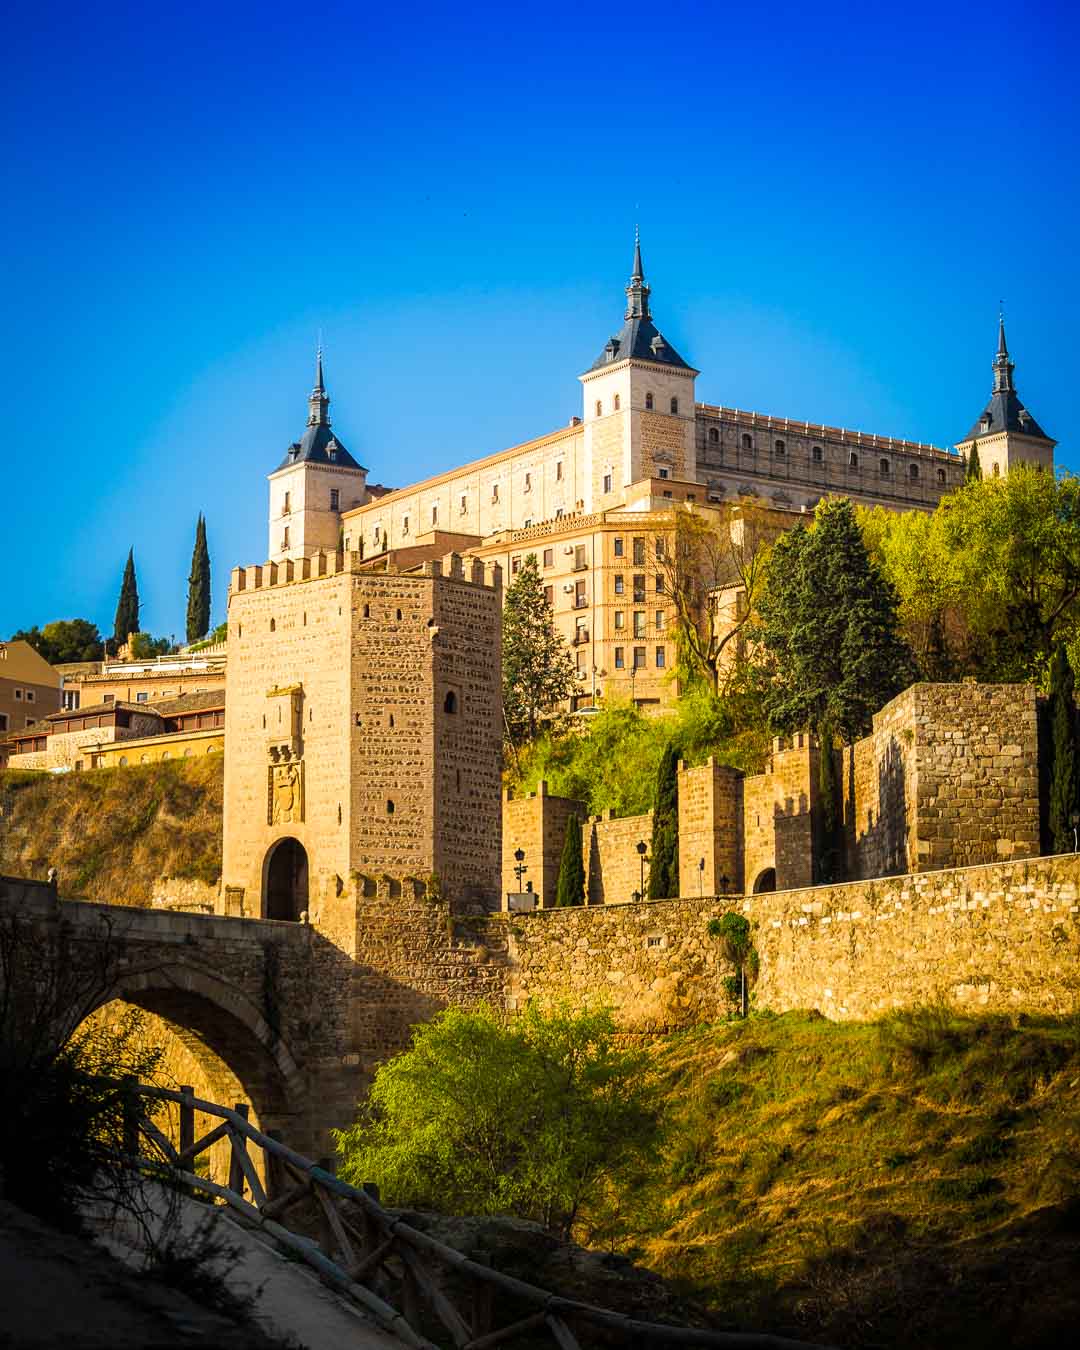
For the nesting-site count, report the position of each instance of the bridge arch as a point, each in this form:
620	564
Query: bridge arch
225	1033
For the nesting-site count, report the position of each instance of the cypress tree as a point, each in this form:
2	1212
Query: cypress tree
538	673
1063	784
973	469
127	607
198	601
664	864
570	889
827	863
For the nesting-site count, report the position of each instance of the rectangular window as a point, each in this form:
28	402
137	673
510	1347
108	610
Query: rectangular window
335	499
549	557
18	695
375	534
691	496
558	471
660	550
579	557
660	659
620	583
549	595
108	698
661	619
3	721
285	538
620	661
618	547
464	505
579	595
434	515
528	482
620	618
579	661
639	588
659	585
142	697
607	482
285	507
639	658
494	492
515	565
639	552
639	623
663	473
405	525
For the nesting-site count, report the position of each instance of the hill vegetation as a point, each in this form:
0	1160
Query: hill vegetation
113	832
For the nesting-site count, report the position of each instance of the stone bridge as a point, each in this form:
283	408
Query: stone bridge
274	1012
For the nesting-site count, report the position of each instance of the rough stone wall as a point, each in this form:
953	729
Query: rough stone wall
612	864
536	823
710	828
184	894
977	754
878	779
777	815
1003	937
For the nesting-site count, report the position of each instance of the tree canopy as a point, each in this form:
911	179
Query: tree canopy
532	1116
536	667
64	640
828	628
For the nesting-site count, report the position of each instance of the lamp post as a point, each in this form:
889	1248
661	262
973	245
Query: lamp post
700	876
520	869
642	849
635	896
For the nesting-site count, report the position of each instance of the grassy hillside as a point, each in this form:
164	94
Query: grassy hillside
112	832
912	1182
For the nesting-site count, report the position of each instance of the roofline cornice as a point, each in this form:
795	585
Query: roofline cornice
687	372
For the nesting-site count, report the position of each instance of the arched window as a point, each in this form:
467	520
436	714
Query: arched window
367	611
273	625
817	454
616	403
714	434
781	449
997	470
599	408
648	402
747	441
883	468
674	405
913	471
450	702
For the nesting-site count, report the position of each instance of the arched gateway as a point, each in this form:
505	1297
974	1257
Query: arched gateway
285	888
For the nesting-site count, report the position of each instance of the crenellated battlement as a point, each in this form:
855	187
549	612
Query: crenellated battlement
315	566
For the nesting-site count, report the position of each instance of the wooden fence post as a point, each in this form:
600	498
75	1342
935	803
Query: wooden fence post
187	1118
238	1141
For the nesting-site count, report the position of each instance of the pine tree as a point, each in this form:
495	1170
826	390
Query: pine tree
664	862
127	607
828	629
570	889
1064	802
827	861
536	667
198	601
973	469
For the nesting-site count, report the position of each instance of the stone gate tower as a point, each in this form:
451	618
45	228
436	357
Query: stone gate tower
363	736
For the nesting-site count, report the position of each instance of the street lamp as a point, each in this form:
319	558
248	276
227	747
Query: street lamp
520	869
642	849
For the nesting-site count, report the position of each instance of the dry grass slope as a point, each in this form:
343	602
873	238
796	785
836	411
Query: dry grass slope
112	833
910	1182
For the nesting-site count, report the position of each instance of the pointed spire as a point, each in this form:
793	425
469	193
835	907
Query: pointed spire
1003	367
637	293
319	402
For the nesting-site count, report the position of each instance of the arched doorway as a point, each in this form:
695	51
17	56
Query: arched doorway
285	891
766	881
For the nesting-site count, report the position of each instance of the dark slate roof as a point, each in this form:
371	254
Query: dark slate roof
1004	410
314	446
635	342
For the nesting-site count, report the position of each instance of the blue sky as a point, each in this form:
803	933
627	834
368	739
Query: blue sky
832	200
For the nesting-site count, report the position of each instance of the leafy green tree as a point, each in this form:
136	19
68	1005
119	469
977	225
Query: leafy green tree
664	859
127	607
198	605
828	629
733	932
1064	797
536	667
570	889
534	1116
144	646
65	640
972	467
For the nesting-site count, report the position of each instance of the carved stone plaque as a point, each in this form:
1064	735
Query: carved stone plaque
286	792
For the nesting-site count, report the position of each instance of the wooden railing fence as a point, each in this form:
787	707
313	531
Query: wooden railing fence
370	1256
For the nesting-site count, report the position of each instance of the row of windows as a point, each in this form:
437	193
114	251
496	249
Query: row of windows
638	544
638	658
463	503
615	405
335	502
27	695
817	454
